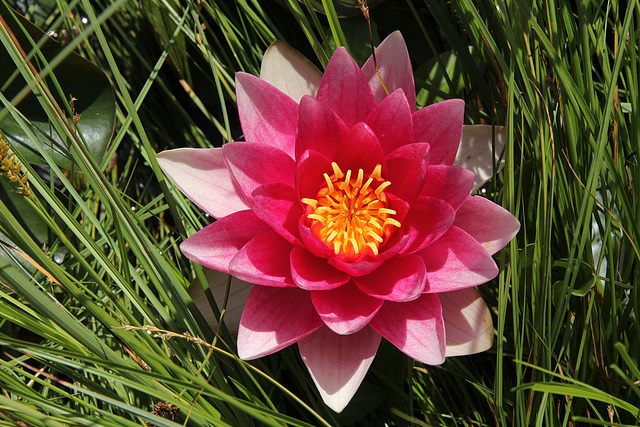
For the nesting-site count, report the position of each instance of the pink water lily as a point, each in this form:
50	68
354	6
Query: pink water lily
351	214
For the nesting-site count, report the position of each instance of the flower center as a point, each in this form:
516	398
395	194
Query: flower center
351	214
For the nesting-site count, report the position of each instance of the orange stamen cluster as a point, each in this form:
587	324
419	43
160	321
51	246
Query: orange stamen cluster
351	214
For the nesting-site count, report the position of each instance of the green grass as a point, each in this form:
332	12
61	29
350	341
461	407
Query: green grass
561	76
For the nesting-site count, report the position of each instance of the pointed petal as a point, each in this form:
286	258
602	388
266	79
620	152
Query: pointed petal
288	70
449	183
267	115
391	121
360	149
277	205
456	261
309	173
428	219
338	363
319	128
201	175
345	90
398	279
254	164
215	245
440	125
359	268
346	309
394	66
476	151
310	272
264	260
273	319
236	298
312	243
467	321
407	170
415	327
491	225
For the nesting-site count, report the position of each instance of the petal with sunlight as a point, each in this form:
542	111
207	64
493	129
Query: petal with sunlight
314	273
338	363
398	279
440	125
273	319
391	121
319	128
201	175
416	328
467	321
264	260
288	70
277	205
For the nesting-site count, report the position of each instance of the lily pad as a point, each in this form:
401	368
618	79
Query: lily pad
78	78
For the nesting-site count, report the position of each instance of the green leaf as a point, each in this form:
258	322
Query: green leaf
76	77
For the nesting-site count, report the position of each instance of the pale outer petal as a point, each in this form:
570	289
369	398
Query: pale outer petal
475	151
338	363
467	322
238	294
289	71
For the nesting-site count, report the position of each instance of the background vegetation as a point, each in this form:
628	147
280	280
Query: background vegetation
96	325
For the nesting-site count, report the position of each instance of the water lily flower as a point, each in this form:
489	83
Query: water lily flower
345	209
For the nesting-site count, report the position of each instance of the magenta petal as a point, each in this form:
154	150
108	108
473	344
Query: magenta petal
491	225
456	261
255	164
267	115
467	320
338	363
215	245
278	205
449	183
313	273
360	149
415	327
264	260
440	125
428	219
319	128
312	243
398	279
309	173
273	319
395	69
391	121
201	175
346	309
407	170
345	89
359	268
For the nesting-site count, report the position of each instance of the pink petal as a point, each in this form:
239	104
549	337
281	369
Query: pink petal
360	149
359	268
215	245
254	164
236	298
456	261
476	151
201	175
448	183
264	260
428	219
415	327
395	69
440	125
313	273
391	121
273	319
338	363
345	89
346	309
398	279
267	115
309	173
277	204
288	70
467	321
319	128
312	243
407	170
491	225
